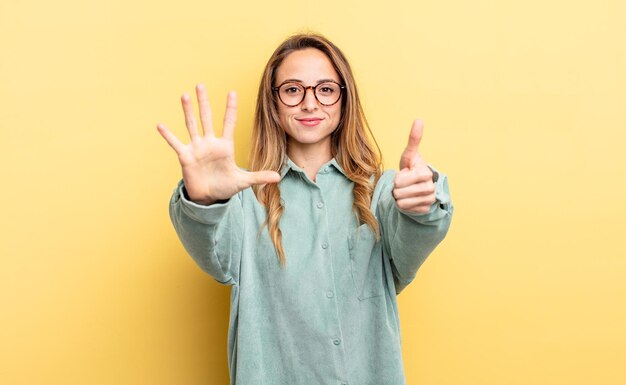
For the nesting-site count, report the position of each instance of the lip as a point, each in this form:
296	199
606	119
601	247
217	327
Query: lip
310	121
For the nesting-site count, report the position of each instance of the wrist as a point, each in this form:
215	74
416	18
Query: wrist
204	202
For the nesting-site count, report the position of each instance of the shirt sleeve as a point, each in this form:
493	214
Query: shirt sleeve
408	238
212	235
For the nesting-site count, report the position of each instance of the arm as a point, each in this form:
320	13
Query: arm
206	206
408	237
212	234
416	211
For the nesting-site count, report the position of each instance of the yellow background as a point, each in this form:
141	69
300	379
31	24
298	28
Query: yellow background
524	109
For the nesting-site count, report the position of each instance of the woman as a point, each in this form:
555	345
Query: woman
316	241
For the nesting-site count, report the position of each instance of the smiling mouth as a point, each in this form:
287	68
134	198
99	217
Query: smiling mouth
310	121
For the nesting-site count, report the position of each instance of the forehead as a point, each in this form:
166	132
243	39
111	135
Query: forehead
309	65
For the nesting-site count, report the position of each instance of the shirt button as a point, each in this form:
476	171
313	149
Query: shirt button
320	205
336	341
330	294
324	245
326	169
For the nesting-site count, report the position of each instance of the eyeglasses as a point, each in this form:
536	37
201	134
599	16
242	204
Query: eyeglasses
293	93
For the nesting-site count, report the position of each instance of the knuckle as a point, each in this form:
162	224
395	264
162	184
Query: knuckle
397	180
424	173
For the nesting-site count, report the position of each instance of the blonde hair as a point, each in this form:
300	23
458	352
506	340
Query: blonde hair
350	144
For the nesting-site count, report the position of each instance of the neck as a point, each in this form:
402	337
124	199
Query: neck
310	158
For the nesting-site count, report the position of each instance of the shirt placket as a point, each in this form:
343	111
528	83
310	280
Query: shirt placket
335	340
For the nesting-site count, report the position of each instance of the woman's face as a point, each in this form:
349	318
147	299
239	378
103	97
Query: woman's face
309	124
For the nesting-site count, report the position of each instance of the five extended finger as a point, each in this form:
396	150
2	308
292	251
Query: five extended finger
206	116
230	118
170	138
190	119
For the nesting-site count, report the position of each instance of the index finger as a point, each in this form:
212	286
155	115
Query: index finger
170	138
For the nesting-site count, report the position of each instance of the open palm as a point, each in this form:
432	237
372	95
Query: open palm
208	162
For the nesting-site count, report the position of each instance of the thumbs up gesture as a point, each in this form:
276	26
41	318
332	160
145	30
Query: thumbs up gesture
414	189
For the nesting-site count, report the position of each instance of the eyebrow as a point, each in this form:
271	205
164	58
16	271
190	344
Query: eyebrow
318	82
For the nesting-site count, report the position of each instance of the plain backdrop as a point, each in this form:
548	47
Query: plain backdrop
524	109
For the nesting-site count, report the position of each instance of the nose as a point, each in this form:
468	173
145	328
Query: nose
310	102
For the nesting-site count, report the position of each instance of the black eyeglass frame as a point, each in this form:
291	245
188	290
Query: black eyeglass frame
306	88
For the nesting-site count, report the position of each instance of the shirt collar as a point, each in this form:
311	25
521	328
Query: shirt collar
290	165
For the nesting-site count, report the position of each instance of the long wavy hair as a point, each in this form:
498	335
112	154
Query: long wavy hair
356	152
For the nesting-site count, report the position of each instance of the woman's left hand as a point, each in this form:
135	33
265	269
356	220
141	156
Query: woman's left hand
414	189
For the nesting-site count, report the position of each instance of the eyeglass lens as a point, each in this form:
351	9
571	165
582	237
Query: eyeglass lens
293	94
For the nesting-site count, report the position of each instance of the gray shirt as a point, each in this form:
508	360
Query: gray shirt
330	316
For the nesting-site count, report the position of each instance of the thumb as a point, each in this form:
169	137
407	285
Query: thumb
412	148
263	177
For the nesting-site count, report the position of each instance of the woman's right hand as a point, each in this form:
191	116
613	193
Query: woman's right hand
208	162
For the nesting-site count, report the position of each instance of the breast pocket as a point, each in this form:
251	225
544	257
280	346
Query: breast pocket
366	263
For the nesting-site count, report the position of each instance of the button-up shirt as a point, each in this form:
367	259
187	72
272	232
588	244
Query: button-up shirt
330	315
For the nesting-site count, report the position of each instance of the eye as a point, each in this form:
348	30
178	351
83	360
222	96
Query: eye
291	89
327	89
